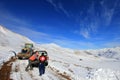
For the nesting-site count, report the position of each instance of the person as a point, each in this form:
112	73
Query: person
42	64
32	60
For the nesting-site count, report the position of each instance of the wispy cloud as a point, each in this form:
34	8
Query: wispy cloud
21	27
89	23
42	38
8	19
18	25
111	44
63	9
107	13
59	7
76	44
85	32
32	34
95	19
53	4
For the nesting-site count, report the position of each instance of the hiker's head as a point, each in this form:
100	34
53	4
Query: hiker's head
42	54
37	52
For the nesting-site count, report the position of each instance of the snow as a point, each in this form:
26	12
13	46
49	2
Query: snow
64	64
105	74
10	41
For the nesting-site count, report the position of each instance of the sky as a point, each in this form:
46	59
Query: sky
75	24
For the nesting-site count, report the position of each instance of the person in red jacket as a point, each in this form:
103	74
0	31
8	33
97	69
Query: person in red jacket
42	64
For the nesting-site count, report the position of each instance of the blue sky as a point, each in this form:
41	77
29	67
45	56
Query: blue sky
76	24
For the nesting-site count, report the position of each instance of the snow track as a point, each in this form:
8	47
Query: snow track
19	73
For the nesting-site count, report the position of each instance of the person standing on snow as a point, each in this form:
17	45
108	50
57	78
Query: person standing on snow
43	62
32	60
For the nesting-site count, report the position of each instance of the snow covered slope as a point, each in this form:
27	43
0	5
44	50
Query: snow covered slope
111	53
10	41
64	64
85	64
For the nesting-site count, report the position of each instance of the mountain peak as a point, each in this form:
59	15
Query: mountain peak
2	29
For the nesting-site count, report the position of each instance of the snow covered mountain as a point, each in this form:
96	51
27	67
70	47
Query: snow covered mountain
64	64
11	39
113	53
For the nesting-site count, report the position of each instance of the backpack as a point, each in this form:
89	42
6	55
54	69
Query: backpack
42	58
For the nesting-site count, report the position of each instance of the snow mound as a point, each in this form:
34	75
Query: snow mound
105	74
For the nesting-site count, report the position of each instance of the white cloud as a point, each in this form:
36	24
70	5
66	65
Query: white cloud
111	44
85	32
25	28
53	4
8	19
59	7
20	26
76	44
31	33
89	23
63	10
107	13
96	19
40	37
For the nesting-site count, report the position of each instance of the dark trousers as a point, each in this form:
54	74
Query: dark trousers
29	65
41	68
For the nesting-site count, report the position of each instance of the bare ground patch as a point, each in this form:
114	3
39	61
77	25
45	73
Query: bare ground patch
6	69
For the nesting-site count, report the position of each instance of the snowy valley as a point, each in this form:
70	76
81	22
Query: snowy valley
64	63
